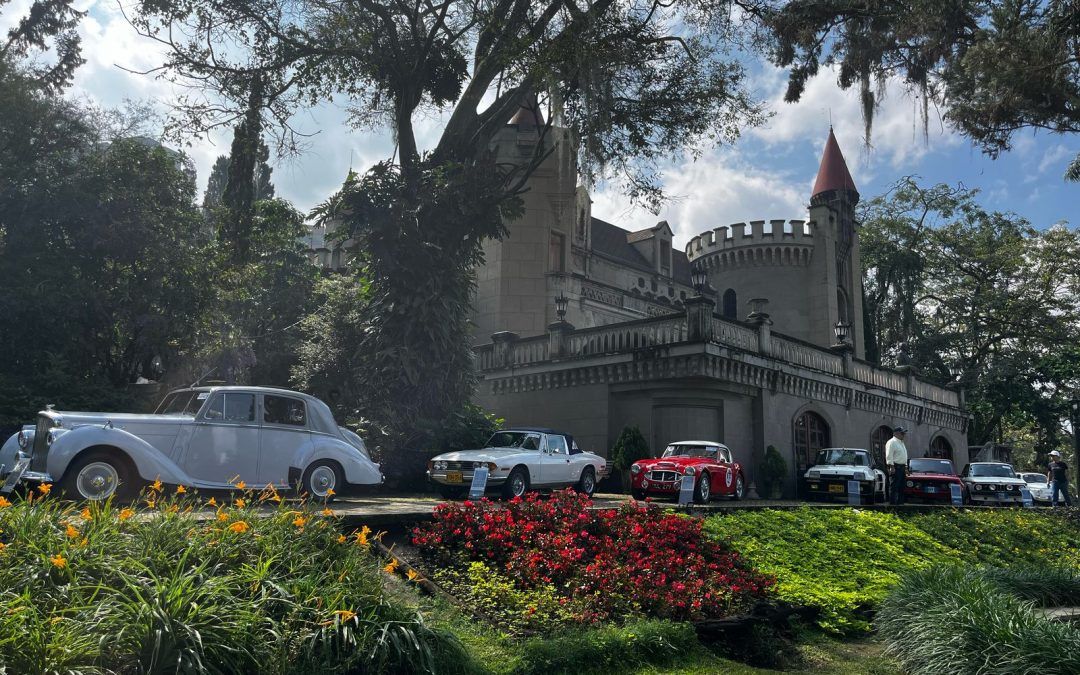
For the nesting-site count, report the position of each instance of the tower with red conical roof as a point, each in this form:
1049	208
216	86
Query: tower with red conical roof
837	293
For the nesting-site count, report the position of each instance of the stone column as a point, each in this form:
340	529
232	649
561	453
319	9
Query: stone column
559	338
699	314
759	317
504	348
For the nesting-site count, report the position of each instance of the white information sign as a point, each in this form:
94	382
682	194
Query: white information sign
686	490
854	496
479	483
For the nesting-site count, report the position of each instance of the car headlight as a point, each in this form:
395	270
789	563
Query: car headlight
689	471
911	483
635	469
1012	487
24	439
477	465
440	466
978	487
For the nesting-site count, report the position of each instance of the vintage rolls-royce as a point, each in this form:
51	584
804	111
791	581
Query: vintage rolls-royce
204	437
519	460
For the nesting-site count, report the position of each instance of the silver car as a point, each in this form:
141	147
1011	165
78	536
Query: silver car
204	437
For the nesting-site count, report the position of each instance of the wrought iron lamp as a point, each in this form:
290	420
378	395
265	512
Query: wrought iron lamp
561	302
698	278
841	329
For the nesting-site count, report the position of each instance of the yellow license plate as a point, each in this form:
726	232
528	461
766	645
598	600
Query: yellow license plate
836	488
453	476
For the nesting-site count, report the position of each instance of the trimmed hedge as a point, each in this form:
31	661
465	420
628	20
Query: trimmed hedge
958	620
845	561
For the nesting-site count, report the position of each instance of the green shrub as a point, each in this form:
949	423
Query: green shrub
951	619
103	589
842	561
610	650
629	447
772	473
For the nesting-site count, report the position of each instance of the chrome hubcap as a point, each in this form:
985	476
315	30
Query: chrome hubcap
97	480
323	479
519	486
739	486
588	482
705	488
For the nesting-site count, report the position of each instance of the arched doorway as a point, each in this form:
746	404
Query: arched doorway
878	439
940	448
811	433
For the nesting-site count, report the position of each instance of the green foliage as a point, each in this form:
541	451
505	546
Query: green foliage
466	429
50	30
267	591
973	59
843	561
499	600
772	473
629	447
610	650
986	292
846	561
959	620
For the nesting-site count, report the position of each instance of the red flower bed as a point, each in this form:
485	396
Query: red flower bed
636	561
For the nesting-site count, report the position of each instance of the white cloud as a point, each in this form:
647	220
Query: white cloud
1054	158
720	188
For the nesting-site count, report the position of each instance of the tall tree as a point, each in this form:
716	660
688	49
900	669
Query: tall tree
45	42
219	175
634	81
984	292
995	66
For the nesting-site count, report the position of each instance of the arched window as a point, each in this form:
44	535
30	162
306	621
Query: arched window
731	304
878	439
811	433
940	448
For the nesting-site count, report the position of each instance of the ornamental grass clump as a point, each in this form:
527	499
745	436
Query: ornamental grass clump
176	585
956	620
602	565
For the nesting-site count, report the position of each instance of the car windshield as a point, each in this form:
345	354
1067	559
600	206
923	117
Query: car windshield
1033	477
185	402
691	451
992	471
843	456
515	439
942	466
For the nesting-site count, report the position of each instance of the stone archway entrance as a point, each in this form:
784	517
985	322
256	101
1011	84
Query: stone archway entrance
878	439
810	434
940	448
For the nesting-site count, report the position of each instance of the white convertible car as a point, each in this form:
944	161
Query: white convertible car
206	437
519	460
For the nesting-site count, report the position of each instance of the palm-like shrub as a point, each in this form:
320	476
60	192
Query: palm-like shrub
176	587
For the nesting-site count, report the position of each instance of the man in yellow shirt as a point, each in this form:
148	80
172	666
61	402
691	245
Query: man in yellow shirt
896	461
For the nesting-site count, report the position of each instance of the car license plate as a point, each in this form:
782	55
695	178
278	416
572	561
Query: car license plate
931	490
836	488
453	477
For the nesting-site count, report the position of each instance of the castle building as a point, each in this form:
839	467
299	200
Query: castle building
585	326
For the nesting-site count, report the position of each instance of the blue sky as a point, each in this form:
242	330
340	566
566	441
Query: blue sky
767	174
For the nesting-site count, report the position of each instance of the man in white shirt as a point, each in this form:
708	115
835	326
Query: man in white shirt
896	462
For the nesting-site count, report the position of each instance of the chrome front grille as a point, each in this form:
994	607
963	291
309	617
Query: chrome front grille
459	466
41	450
663	476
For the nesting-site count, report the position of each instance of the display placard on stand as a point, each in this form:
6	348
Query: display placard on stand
479	483
854	494
686	490
957	494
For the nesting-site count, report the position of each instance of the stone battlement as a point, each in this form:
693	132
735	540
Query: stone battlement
764	233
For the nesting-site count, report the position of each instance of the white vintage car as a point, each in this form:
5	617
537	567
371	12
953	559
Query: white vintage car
519	460
204	437
1040	488
834	467
992	483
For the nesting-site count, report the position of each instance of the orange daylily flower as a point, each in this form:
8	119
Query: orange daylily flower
44	488
126	513
240	527
299	521
330	492
211	502
391	566
58	561
413	575
156	485
2	546
241	503
4	503
241	485
222	516
86	515
342	539
345	614
361	535
71	532
327	512
180	489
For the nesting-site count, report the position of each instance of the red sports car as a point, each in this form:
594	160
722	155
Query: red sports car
929	480
706	463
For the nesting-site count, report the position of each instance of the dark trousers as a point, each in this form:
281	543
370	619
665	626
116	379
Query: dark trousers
1061	486
896	487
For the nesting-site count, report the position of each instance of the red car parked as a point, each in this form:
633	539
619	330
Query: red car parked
928	480
706	463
